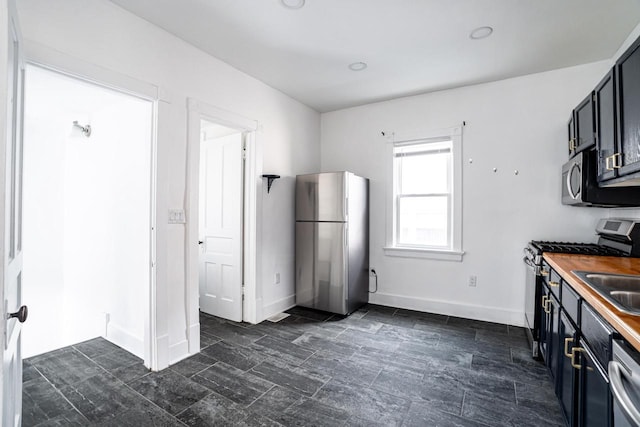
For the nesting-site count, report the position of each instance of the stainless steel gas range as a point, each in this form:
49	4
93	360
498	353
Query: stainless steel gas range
617	237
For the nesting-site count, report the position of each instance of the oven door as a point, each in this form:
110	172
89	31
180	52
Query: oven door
531	315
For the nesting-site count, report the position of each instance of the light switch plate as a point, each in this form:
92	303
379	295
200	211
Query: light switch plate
177	216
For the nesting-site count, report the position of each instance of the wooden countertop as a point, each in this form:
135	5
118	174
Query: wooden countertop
626	324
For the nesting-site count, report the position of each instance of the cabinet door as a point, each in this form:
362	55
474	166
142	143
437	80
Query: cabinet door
567	379
544	323
628	91
554	338
605	121
585	130
594	404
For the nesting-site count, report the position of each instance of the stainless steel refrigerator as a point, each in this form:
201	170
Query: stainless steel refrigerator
332	241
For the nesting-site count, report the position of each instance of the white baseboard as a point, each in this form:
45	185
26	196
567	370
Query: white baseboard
277	307
468	311
178	351
121	337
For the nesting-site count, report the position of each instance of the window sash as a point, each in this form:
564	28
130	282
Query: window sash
423	148
448	214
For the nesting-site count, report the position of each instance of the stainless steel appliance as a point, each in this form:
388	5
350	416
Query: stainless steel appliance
617	237
624	379
332	241
580	185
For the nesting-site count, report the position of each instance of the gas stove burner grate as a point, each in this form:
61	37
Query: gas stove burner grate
577	248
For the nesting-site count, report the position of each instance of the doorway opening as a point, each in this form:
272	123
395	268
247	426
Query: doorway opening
223	168
88	197
220	225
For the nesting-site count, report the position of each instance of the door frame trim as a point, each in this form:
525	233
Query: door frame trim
43	57
196	111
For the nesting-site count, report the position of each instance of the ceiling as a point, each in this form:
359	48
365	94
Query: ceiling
410	46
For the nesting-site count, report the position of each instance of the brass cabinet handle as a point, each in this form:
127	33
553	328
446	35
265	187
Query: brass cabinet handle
547	303
573	144
544	303
616	161
566	346
544	273
575	350
608	164
554	284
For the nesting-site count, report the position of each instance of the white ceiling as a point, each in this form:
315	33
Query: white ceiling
411	46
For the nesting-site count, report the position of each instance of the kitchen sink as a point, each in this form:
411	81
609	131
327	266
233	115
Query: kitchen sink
623	291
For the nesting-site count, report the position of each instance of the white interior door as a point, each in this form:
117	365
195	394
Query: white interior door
220	228
14	312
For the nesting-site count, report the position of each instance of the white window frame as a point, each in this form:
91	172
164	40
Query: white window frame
392	248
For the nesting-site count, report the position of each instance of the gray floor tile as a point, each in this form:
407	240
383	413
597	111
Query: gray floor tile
170	390
130	373
67	368
96	347
309	340
299	379
368	403
275	348
497	412
194	364
309	412
235	355
275	401
356	371
115	359
232	383
424	414
102	397
216	410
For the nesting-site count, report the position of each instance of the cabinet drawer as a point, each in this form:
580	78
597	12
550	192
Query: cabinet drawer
597	332
570	302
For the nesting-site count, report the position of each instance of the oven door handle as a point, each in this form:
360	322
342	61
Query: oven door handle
616	371
529	262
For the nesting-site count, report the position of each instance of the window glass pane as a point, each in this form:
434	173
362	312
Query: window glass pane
423	221
424	173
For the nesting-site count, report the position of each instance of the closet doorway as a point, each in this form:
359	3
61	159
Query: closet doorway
88	197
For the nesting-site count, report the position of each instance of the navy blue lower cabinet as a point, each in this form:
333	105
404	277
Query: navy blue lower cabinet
566	381
594	403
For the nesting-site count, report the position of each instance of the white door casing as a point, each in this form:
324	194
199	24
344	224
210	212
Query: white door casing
220	226
199	111
12	229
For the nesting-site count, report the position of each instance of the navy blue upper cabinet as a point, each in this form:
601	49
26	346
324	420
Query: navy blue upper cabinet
626	160
606	129
584	127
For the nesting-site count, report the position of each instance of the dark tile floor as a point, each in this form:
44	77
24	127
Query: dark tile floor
380	366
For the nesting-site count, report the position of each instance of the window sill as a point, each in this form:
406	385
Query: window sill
442	255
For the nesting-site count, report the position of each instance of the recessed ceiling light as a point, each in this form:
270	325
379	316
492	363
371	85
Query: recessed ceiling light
292	4
481	33
358	66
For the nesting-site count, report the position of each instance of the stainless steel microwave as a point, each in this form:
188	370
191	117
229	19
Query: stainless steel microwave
580	185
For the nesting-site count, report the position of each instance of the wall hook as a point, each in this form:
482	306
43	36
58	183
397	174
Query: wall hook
270	179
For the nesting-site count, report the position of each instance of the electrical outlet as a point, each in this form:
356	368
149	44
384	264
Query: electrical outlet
277	278
473	281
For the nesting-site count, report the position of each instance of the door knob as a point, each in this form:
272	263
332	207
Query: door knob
200	242
21	314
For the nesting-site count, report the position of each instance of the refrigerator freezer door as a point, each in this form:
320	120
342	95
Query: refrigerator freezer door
321	197
321	266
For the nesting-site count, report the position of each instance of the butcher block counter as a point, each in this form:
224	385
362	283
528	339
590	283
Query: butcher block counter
626	324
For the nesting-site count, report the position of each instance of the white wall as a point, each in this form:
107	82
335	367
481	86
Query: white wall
86	214
516	124
101	33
